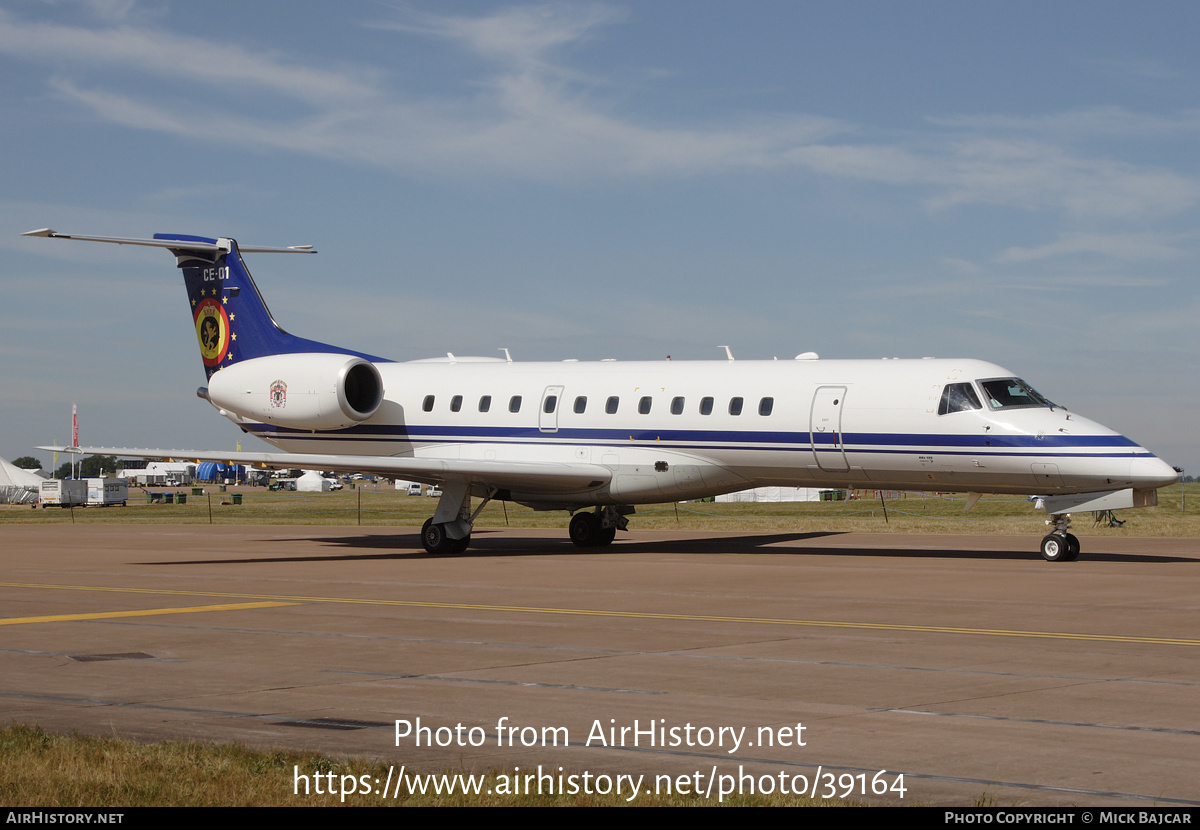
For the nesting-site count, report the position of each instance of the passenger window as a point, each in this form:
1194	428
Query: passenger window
610	406
580	404
958	397
514	403
765	406
735	406
644	405
485	403
456	403
551	402
706	405
677	406
428	404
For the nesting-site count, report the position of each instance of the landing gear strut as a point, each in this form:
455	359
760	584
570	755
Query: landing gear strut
449	529
597	529
1059	545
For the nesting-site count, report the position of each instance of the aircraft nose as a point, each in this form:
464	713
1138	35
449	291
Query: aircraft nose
1152	473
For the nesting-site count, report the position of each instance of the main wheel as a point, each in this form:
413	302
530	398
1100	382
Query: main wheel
1055	548
437	541
585	529
434	537
1072	547
606	536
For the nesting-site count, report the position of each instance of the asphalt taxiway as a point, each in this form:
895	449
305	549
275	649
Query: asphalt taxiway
966	663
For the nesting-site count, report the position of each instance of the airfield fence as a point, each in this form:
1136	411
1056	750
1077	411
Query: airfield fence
382	506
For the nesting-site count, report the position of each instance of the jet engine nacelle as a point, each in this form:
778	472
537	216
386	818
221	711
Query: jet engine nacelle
303	391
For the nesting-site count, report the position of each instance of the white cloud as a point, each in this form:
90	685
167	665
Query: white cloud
1086	123
519	35
534	117
961	266
1130	247
1055	282
169	55
1151	69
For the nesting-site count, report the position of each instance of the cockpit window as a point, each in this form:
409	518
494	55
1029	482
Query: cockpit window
958	397
1012	393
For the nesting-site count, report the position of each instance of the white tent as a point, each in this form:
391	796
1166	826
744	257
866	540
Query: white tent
313	482
18	486
774	494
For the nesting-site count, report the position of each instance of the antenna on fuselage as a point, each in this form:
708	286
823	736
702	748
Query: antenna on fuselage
507	356
728	353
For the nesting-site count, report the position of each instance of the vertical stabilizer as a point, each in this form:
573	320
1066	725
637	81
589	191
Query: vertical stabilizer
231	320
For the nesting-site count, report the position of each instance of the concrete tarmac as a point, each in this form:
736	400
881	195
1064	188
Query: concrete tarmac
965	663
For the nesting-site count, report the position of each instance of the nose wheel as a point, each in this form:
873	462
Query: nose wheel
1060	545
1060	548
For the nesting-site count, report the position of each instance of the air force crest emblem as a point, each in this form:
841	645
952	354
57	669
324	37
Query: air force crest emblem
278	394
212	330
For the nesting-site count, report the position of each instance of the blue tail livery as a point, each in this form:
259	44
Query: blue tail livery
231	318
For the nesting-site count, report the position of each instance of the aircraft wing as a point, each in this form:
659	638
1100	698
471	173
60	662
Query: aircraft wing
526	477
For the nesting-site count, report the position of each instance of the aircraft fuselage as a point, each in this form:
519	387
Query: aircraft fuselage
672	430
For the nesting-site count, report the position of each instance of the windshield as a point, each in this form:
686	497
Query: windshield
958	397
1012	393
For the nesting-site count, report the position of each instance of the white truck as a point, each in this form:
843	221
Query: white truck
101	492
58	492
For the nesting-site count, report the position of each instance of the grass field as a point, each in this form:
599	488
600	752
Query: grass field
39	769
385	507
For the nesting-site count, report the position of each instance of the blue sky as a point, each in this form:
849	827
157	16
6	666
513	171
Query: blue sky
1014	181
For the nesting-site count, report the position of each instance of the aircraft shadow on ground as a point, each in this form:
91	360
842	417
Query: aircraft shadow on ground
483	544
486	543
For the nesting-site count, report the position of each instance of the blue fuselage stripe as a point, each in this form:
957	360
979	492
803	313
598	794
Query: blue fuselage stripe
878	443
863	441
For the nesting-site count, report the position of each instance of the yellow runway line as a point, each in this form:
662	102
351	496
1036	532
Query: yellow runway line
641	615
147	612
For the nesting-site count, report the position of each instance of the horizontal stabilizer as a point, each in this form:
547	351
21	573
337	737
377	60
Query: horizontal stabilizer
193	243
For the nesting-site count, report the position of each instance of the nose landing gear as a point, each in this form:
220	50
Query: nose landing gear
1060	545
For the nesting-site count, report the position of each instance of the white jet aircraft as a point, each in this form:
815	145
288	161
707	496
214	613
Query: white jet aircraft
596	439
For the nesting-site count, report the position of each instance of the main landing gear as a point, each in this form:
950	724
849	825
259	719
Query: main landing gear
1059	545
597	529
449	529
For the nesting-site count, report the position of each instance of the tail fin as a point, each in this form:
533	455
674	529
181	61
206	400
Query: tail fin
231	320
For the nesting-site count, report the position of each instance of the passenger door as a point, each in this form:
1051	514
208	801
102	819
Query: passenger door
825	429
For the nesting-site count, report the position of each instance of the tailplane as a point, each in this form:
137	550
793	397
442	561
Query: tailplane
232	322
